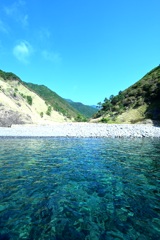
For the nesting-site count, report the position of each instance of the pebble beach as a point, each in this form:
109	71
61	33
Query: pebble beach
82	130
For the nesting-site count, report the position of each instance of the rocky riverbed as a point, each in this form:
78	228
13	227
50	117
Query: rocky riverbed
81	130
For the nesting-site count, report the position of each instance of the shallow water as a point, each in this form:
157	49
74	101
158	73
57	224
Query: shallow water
79	188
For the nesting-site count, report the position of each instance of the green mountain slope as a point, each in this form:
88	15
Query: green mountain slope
138	102
20	105
54	100
85	110
9	76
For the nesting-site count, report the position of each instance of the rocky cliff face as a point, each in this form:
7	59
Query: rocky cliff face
19	105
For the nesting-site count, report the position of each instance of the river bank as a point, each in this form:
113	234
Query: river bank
81	130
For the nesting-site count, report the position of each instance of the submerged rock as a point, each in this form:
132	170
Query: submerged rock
5	236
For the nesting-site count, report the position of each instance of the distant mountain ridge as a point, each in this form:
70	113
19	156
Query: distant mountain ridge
22	102
137	103
67	107
85	110
53	99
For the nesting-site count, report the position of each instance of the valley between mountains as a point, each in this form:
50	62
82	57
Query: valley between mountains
28	103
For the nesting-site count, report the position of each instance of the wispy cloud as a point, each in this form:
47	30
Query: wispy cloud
51	56
16	12
3	28
23	51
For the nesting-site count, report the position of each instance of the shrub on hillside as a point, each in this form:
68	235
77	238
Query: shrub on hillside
29	100
49	111
41	114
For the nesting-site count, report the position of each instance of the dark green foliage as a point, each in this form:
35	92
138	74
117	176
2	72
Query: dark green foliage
145	91
41	114
86	111
99	105
29	100
107	105
22	95
80	118
49	111
8	76
53	99
105	120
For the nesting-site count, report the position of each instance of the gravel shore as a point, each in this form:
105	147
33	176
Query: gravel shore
81	130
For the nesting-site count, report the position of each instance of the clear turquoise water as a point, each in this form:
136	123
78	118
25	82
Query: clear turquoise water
91	189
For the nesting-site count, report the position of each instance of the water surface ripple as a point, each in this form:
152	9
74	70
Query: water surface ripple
79	188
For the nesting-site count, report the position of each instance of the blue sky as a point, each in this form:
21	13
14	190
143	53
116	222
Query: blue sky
84	50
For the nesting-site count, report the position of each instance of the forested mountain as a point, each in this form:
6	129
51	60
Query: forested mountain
19	105
85	110
53	99
22	102
138	102
70	109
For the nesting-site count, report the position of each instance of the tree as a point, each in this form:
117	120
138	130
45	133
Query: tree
99	105
107	105
29	100
49	111
111	97
41	114
80	118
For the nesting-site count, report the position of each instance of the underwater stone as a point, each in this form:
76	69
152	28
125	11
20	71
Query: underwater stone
5	236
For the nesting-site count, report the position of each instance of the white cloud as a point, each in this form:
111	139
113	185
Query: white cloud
51	56
16	12
23	51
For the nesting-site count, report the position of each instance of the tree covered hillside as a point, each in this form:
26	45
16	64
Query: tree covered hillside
21	105
73	111
85	110
9	76
54	100
18	90
136	103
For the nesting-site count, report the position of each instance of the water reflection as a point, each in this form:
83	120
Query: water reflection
59	188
